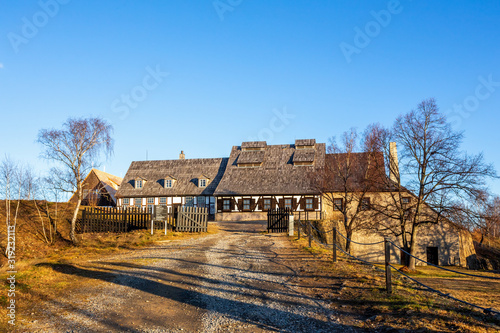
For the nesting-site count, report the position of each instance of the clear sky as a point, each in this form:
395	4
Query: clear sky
202	76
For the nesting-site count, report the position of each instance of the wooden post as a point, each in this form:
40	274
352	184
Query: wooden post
309	232
334	244
298	227
388	277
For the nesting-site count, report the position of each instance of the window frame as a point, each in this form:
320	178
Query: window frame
264	204
202	182
285	205
136	203
126	201
307	204
228	201
189	201
336	207
365	204
169	183
139	184
249	204
163	201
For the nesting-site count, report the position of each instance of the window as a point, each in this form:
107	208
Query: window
150	208
126	201
226	205
200	201
288	203
246	204
163	201
189	202
151	200
203	183
405	201
138	202
365	204
138	183
309	204
267	204
168	183
337	204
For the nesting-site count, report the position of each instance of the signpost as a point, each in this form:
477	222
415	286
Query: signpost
160	213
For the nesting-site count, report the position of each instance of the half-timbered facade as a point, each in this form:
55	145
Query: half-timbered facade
260	177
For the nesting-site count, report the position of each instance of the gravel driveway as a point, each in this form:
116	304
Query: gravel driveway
238	280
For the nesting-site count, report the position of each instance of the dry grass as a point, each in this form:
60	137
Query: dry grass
36	280
409	307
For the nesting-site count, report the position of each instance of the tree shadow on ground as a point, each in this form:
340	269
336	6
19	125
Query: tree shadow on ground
260	315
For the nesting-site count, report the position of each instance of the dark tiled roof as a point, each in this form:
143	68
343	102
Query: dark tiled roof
186	173
277	175
363	166
305	142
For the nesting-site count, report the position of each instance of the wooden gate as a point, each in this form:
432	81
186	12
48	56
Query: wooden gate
192	219
277	219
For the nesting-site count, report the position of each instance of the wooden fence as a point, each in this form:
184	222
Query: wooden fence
277	219
192	219
110	219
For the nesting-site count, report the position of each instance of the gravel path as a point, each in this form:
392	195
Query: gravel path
239	280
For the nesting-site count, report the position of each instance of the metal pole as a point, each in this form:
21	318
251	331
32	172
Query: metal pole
334	243
388	277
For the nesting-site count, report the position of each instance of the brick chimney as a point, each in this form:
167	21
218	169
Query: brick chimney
393	162
182	156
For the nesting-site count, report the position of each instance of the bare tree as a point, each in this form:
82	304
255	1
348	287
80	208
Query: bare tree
75	147
343	181
11	185
435	174
52	190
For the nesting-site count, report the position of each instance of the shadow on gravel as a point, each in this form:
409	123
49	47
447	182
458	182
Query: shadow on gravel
250	227
261	316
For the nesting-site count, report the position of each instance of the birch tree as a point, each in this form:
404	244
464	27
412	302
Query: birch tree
75	148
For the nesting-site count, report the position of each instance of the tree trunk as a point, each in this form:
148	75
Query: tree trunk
72	233
413	249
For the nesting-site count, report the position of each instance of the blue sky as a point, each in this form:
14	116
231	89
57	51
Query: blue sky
202	76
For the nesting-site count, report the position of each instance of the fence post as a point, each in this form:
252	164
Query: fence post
334	243
388	277
309	232
290	225
152	221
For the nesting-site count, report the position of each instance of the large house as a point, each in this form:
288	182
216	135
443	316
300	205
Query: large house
260	177
257	177
173	183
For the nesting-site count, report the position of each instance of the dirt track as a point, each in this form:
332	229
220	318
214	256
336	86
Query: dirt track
239	280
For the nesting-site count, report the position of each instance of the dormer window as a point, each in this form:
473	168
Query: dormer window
203	183
138	183
168	182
